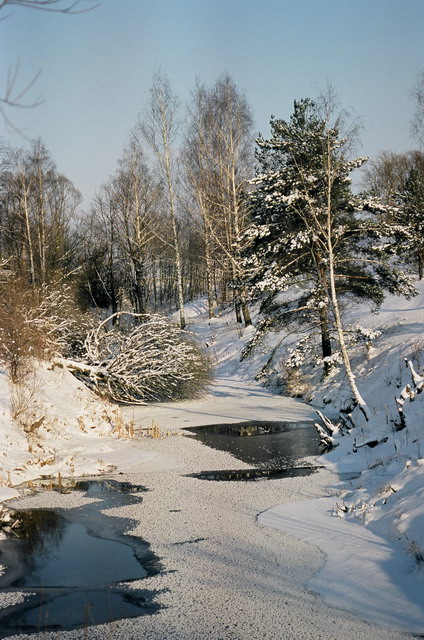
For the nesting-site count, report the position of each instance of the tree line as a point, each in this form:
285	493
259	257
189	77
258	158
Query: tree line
197	207
163	229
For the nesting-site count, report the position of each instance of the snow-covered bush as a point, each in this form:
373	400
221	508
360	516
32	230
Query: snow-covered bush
65	325
363	335
37	322
300	354
148	361
331	362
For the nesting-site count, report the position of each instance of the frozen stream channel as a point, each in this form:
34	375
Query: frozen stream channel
226	577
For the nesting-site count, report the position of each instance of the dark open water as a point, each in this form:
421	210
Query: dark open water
73	560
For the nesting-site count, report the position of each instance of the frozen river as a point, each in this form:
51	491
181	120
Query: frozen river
225	576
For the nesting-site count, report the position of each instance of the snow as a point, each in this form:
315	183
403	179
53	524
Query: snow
364	572
375	546
78	435
254	576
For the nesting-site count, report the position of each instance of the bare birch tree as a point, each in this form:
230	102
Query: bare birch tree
137	197
417	124
101	277
198	178
384	175
218	163
37	205
159	128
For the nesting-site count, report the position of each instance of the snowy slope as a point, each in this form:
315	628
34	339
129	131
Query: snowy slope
373	531
380	510
68	432
377	568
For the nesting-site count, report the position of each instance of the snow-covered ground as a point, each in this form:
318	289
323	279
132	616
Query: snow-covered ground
230	576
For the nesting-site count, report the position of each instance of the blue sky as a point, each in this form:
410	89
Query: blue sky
97	67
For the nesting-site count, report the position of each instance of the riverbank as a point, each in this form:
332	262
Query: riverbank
224	575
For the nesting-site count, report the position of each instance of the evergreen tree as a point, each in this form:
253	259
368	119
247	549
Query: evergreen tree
410	214
310	230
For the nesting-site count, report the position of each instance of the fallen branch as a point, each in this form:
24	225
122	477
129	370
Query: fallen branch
327	430
153	360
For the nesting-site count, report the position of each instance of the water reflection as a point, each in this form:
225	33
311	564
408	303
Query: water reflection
60	553
254	474
269	445
74	610
73	560
89	486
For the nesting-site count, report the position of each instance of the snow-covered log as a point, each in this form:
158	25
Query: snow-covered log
417	380
153	360
408	393
327	431
368	442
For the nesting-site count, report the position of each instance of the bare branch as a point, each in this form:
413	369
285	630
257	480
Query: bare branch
14	97
49	5
417	124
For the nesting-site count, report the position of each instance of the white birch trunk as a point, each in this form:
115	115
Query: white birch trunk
171	195
336	309
24	201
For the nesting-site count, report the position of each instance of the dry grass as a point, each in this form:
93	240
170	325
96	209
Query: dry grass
23	398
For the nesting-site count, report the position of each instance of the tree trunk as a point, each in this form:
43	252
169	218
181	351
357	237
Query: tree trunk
245	311
28	234
345	356
420	261
180	292
237	310
178	265
323	310
140	289
360	402
41	228
325	334
208	261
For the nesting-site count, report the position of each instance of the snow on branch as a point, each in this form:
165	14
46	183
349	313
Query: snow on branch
147	358
327	431
408	393
416	378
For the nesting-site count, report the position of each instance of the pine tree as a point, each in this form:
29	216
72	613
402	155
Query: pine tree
411	212
310	230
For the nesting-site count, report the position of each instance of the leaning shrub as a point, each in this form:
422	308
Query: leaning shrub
146	359
63	323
